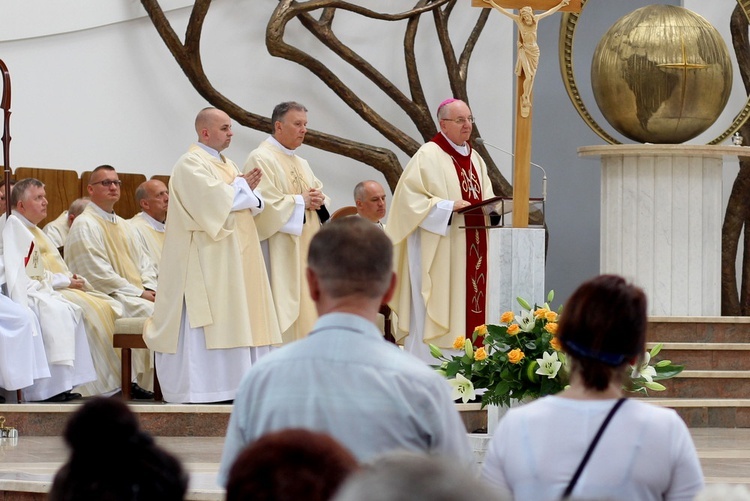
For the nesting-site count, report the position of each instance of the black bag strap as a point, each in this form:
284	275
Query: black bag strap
582	465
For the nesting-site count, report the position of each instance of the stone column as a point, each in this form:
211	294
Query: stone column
661	218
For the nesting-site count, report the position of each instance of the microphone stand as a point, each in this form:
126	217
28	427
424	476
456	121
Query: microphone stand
480	141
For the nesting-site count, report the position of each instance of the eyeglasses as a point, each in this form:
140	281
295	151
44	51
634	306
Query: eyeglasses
108	182
459	121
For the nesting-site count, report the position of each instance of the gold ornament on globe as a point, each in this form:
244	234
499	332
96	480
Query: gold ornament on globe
661	74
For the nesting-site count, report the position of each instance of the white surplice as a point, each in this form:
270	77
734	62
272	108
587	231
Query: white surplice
65	342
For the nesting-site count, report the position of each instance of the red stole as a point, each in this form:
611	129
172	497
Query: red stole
476	238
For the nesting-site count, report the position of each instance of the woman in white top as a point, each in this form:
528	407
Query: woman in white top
645	452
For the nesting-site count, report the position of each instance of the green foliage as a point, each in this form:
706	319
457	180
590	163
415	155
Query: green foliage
519	359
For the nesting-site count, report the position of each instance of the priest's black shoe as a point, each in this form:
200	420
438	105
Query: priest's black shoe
65	396
138	393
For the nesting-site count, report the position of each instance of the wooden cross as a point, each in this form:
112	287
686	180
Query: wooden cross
524	103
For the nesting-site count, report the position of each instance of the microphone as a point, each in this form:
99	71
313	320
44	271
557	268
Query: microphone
480	141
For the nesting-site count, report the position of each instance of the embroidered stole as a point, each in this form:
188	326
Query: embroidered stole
476	238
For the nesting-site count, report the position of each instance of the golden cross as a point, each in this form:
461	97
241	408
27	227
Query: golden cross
684	66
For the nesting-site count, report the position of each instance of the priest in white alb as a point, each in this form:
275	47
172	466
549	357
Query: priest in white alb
214	315
295	209
441	266
99	310
63	333
22	357
149	224
101	246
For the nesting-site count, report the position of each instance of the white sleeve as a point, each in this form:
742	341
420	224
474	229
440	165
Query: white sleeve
438	218
245	197
59	280
294	224
686	473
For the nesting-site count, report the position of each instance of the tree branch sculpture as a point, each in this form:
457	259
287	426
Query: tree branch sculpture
738	208
413	105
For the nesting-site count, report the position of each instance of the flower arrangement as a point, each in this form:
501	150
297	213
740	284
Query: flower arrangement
521	359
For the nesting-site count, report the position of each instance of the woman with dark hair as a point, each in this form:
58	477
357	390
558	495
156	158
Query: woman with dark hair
588	441
290	465
111	459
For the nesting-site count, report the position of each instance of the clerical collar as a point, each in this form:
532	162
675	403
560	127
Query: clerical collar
463	150
155	224
23	219
280	146
109	216
214	153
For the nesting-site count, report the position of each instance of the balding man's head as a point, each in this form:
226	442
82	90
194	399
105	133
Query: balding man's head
153	198
369	197
214	128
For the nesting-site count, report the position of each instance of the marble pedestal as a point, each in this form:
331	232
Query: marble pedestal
661	218
516	268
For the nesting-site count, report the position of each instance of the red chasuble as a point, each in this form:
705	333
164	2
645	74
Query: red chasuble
476	238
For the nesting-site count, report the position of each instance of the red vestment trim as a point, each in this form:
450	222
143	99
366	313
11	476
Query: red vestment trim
476	238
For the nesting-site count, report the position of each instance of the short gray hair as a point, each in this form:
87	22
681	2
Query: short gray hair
281	109
352	257
21	187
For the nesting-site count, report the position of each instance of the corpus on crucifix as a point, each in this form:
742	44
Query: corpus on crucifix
528	50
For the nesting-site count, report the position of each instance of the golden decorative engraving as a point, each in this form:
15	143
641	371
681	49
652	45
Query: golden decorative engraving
567	34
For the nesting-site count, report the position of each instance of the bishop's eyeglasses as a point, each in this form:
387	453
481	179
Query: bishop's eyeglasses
460	120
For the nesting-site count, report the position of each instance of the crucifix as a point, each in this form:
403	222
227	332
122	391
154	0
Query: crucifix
527	60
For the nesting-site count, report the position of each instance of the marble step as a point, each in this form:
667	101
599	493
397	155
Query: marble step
707	356
699	329
731	384
709	412
164	420
159	419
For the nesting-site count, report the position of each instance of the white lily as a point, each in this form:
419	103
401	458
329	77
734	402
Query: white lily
462	388
526	321
549	365
644	370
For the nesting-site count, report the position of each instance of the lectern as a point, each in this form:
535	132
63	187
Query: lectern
516	258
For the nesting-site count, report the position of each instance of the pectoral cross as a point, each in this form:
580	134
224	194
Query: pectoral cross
526	66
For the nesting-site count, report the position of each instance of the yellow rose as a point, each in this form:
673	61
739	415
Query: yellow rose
507	317
513	329
458	343
555	343
551	328
480	354
551	316
481	330
540	312
515	356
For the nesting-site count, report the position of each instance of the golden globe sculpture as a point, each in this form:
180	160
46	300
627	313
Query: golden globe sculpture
661	74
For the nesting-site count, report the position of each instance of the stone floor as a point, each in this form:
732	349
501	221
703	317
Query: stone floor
29	465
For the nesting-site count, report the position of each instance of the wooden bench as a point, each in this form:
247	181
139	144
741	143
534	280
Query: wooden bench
128	336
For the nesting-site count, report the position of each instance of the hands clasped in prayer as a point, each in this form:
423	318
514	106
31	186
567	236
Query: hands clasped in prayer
313	198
